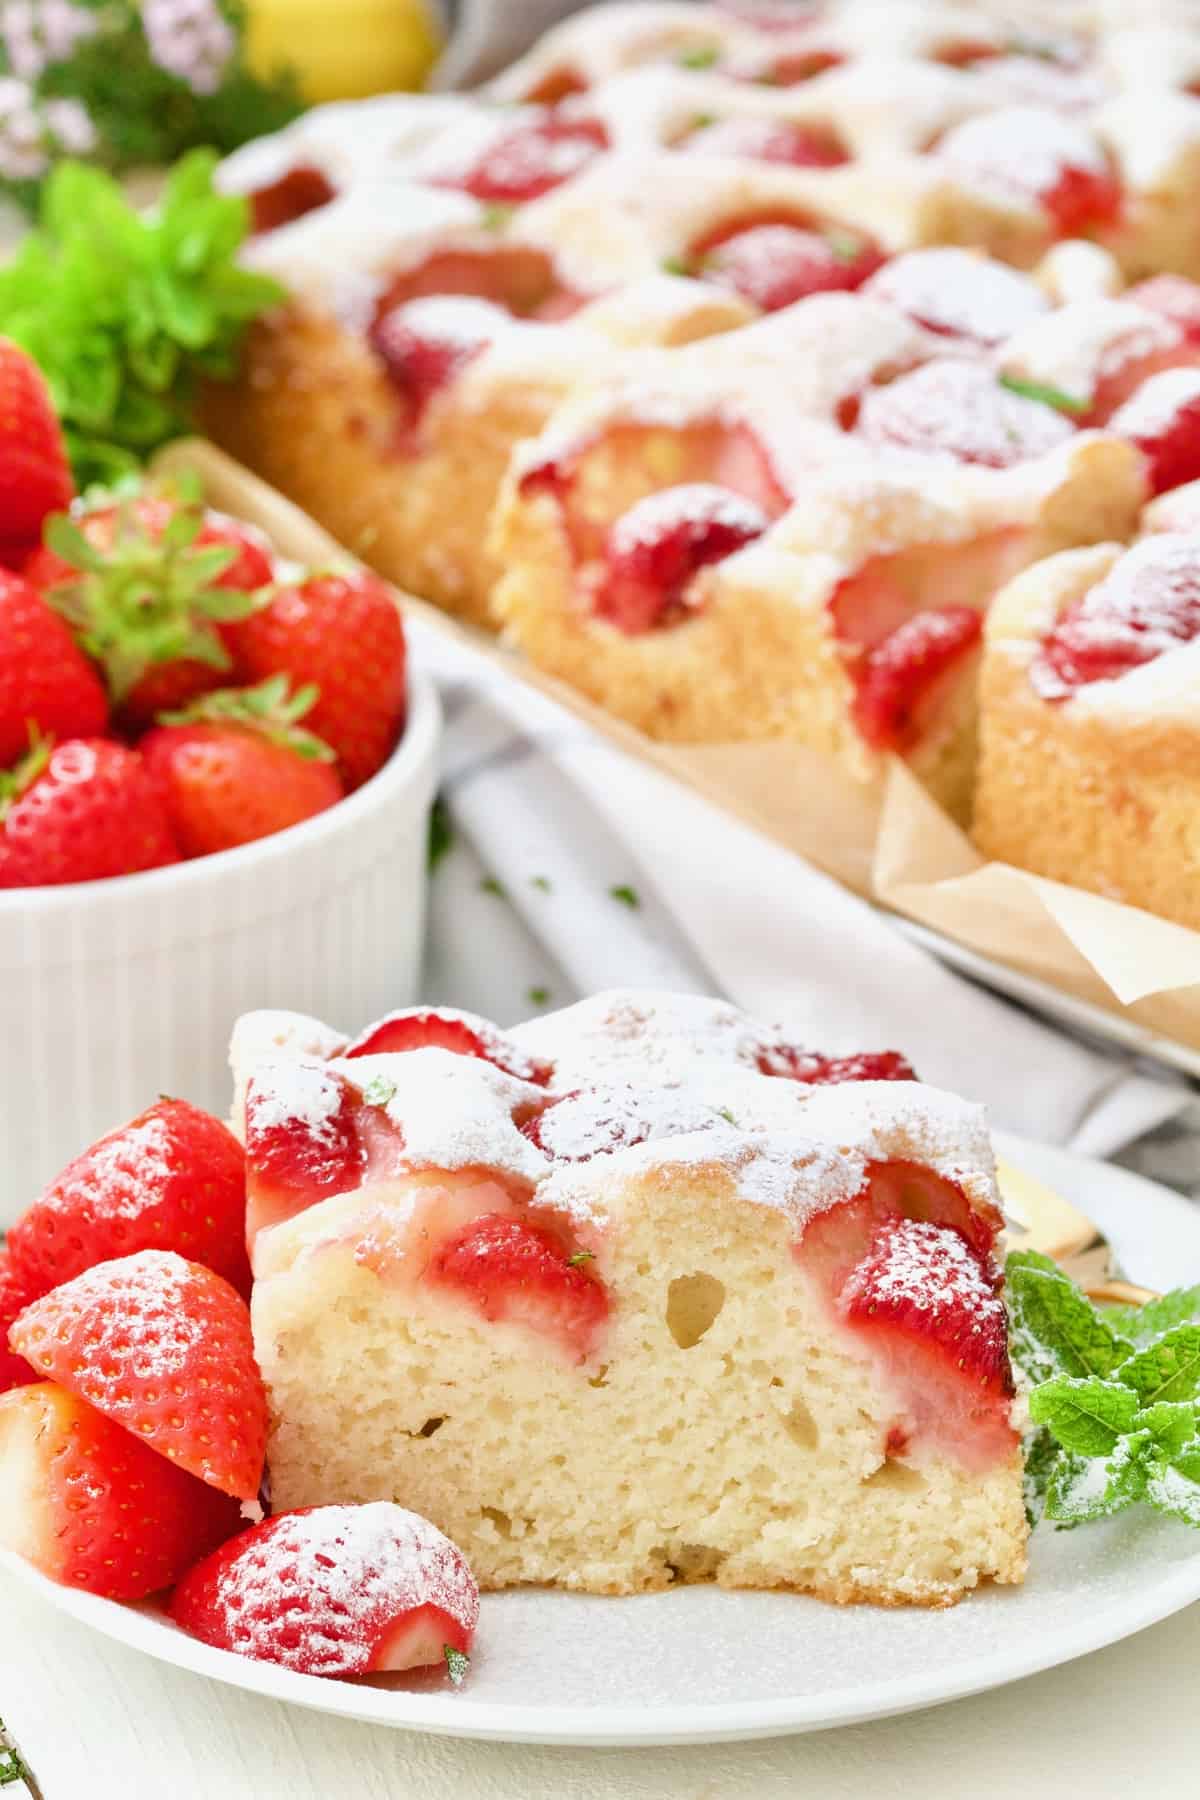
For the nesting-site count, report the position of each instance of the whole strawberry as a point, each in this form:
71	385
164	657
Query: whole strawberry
91	1506
80	811
45	680
15	1295
150	586
174	1178
236	767
342	633
35	478
163	1348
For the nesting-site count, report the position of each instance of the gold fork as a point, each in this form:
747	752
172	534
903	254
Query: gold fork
1037	1218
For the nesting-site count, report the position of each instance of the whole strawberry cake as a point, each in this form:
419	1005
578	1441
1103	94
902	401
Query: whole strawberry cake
635	1294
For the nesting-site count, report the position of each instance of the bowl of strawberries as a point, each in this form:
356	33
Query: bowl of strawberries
216	771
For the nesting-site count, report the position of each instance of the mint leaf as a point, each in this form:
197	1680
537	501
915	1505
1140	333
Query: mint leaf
703	57
441	834
1171	1425
1054	1330
379	1090
1049	396
538	996
1142	1323
490	885
1173	1491
1168	1369
1083	1488
1086	1416
1041	1455
626	895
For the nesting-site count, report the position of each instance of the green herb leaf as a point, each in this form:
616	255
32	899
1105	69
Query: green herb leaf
489	885
541	882
1041	1455
1049	396
626	895
704	56
1082	1488
379	1090
1086	1416
1142	1323
845	247
1054	1330
496	215
539	996
441	834
457	1664
580	1256
1168	1369
676	265
1176	1492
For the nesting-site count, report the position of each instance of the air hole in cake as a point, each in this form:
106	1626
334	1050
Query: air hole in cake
800	1425
431	1426
773	259
694	1304
783	141
302	190
499	1520
1032	156
897	1477
1148	605
531	159
693	1562
517	277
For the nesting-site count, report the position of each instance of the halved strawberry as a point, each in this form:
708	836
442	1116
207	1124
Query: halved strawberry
591	1122
926	1304
512	1272
443	1028
811	1066
652	552
774	261
302	1141
336	1590
835	1241
1163	419
961	410
1148	604
793	67
769	140
174	1178
302	190
15	1295
425	344
91	1506
1170	297
163	1348
899	681
532	158
1035	156
959	294
515	276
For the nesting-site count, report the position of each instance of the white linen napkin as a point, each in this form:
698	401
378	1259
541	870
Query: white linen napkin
575	867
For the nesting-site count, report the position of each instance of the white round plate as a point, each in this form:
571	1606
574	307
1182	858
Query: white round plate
699	1665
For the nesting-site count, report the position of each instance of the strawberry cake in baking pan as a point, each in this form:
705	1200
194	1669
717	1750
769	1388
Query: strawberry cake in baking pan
1090	721
634	1294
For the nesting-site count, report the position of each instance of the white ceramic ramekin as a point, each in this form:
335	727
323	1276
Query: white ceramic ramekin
114	992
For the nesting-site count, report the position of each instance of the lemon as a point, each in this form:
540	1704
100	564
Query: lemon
345	50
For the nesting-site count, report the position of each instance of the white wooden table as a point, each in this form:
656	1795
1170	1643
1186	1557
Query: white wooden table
98	1722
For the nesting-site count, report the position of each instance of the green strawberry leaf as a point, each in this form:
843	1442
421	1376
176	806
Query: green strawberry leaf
1142	1323
1168	1369
1054	1330
457	1664
1086	1416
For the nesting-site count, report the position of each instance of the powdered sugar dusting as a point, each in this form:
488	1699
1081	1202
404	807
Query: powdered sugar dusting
297	1093
1075	348
319	1589
960	293
1019	153
455	1112
1157	403
931	1268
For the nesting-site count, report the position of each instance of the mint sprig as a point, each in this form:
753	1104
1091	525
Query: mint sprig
125	313
1115	1397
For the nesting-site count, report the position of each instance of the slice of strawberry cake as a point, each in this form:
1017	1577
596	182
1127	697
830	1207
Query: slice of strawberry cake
1090	722
635	1294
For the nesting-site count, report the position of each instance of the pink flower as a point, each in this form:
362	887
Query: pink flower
190	39
40	33
22	133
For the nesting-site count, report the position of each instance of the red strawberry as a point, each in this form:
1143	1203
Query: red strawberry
531	158
959	294
336	1590
162	1347
302	190
442	1028
93	1507
825	1071
35	478
45	680
769	140
1034	156
591	1122
1163	420
519	1274
234	767
85	810
150	587
517	277
898	682
343	634
15	1295
652	552
1171	297
835	1241
425	344
774	262
961	410
1149	603
926	1304
797	66
302	1141
172	1179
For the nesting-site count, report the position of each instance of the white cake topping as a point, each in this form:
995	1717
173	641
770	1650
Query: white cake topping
1157	403
1019	153
1075	348
959	291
